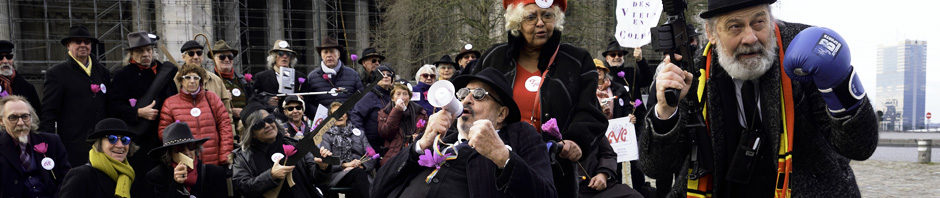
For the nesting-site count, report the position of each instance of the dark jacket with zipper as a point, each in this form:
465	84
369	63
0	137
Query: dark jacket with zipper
822	148
70	108
211	182
568	95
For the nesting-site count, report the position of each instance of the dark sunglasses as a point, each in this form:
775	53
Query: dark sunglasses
478	94
615	55
292	108
82	41
375	60
260	124
113	139
194	53
7	56
17	118
428	75
283	53
227	56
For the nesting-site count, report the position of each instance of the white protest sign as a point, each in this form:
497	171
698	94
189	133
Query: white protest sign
634	19
322	113
622	136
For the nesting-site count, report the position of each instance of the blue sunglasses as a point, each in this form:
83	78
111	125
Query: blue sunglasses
113	139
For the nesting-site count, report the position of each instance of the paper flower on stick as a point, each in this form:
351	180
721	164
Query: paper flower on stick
421	123
133	102
95	88
637	103
4	94
354	57
551	127
41	148
621	74
429	159
326	77
371	152
301	80
289	150
248	77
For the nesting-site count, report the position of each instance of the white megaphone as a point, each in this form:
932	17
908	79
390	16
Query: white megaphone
442	95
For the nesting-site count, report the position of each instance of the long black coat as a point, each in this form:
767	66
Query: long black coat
13	179
70	108
527	174
132	82
822	146
266	81
86	181
211	182
24	88
569	92
251	173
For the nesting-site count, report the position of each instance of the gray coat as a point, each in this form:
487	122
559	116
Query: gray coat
347	145
823	145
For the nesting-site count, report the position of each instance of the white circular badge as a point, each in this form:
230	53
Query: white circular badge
236	92
195	112
468	46
47	163
357	132
283	44
544	3
621	101
104	89
276	157
333	92
627	88
532	84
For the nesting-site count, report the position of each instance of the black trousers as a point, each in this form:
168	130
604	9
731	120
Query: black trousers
358	180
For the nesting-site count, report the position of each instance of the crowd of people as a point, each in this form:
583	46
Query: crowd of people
533	125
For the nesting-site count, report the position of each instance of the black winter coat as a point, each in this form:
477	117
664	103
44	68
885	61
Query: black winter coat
251	173
637	78
569	92
473	175
365	115
132	82
23	88
211	182
266	82
70	108
15	182
345	77
822	148
86	181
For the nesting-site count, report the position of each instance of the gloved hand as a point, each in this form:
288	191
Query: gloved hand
821	55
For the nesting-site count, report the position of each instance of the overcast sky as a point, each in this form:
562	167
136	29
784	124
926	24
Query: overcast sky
866	24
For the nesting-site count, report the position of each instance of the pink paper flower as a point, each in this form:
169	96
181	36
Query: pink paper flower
4	94
371	152
289	149
621	74
301	80
354	57
40	148
326	77
248	77
421	123
429	159
551	127
95	88
637	103
133	102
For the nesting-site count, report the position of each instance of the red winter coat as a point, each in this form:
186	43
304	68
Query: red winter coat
212	122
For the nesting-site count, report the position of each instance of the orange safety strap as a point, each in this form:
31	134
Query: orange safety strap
702	187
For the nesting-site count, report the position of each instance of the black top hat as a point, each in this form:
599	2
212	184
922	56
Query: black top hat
500	86
140	39
370	52
612	47
716	7
191	44
445	59
222	46
6	46
176	133
110	126
78	32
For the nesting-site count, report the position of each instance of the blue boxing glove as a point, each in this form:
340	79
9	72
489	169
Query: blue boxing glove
821	55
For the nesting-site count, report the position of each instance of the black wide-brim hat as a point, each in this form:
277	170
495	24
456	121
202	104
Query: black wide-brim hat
176	133
612	47
445	59
500	86
110	126
370	52
464	52
78	32
140	39
717	7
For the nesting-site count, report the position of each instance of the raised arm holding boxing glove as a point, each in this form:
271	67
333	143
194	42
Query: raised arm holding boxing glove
821	56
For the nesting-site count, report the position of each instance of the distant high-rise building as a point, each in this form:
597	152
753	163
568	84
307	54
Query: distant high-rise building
902	84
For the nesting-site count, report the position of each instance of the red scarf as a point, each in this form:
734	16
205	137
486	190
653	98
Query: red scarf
142	68
230	75
191	178
7	82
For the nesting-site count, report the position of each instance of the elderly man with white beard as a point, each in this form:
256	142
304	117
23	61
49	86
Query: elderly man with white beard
771	81
25	169
10	83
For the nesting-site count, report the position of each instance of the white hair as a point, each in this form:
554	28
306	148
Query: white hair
272	59
426	69
515	13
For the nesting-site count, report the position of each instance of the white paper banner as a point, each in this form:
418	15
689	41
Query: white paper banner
634	20
322	113
622	136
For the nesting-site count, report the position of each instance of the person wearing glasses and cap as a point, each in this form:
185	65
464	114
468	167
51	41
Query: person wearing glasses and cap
32	160
635	76
236	84
365	115
181	172
269	81
75	94
298	125
370	60
491	154
10	83
108	172
205	111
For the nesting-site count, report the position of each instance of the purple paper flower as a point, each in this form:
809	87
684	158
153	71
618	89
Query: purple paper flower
354	57
421	123
4	94
301	80
376	156
370	151
621	74
637	103
429	159
133	102
248	77
551	127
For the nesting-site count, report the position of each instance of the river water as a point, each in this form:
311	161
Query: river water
905	154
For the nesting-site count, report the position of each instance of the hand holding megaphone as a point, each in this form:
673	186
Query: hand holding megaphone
442	95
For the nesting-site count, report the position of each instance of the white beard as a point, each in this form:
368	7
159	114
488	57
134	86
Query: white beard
23	138
7	72
751	68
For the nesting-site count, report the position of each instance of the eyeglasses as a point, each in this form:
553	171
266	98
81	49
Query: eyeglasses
227	56
192	77
547	17
615	55
428	75
6	56
17	118
82	41
260	124
194	53
292	108
478	94
283	53
375	60
387	74
113	139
